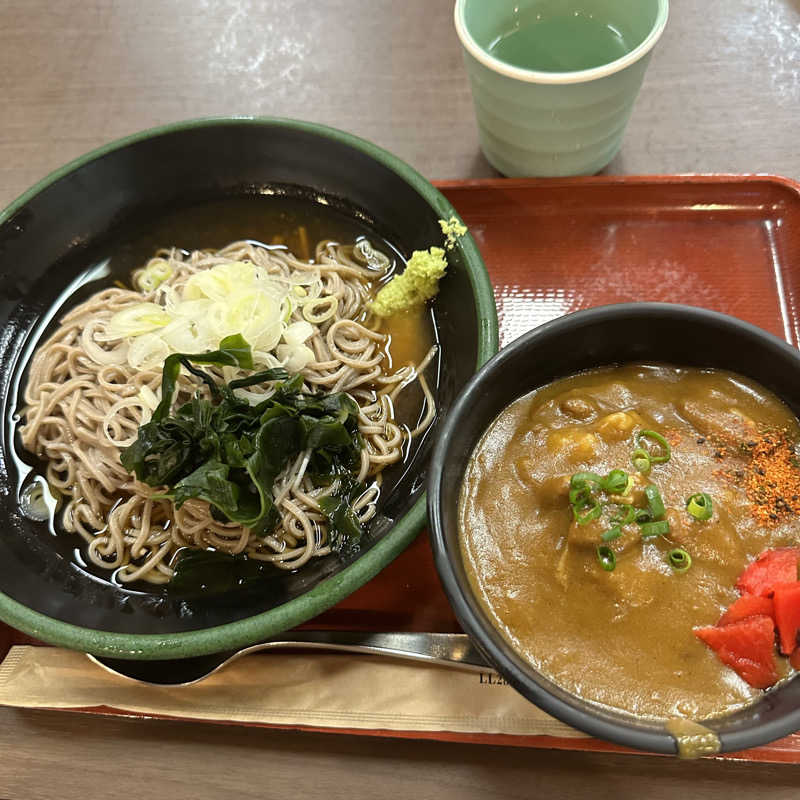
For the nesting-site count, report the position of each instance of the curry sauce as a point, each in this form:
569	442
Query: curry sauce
624	637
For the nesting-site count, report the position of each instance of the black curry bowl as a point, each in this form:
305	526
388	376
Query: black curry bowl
175	186
618	334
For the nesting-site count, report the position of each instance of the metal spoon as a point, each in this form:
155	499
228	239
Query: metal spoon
451	649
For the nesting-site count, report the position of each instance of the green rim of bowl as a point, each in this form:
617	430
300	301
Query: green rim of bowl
331	590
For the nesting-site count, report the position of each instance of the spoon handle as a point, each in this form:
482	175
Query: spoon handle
450	649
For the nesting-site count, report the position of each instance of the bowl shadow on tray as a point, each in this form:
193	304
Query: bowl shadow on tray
625	333
152	188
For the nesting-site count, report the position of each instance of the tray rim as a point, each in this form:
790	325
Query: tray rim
765	754
694	178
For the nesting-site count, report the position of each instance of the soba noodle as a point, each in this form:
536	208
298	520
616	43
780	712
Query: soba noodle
84	402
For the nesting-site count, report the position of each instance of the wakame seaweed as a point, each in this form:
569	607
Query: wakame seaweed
224	451
200	573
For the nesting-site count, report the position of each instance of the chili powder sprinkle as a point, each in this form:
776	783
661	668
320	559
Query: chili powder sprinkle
773	478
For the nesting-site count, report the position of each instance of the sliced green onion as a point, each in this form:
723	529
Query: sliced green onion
616	481
581	480
643	515
654	501
659	439
611	534
651	529
700	506
606	557
593	513
679	559
580	497
626	518
641	460
628	486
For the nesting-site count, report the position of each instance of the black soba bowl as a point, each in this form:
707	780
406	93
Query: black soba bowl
196	185
618	334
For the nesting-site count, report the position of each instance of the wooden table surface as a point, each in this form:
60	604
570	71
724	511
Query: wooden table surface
722	94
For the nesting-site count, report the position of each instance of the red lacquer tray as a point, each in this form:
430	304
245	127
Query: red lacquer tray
729	243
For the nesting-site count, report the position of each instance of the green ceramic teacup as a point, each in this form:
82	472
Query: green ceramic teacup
554	81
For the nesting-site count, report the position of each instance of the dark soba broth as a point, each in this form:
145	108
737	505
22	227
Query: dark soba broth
278	220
